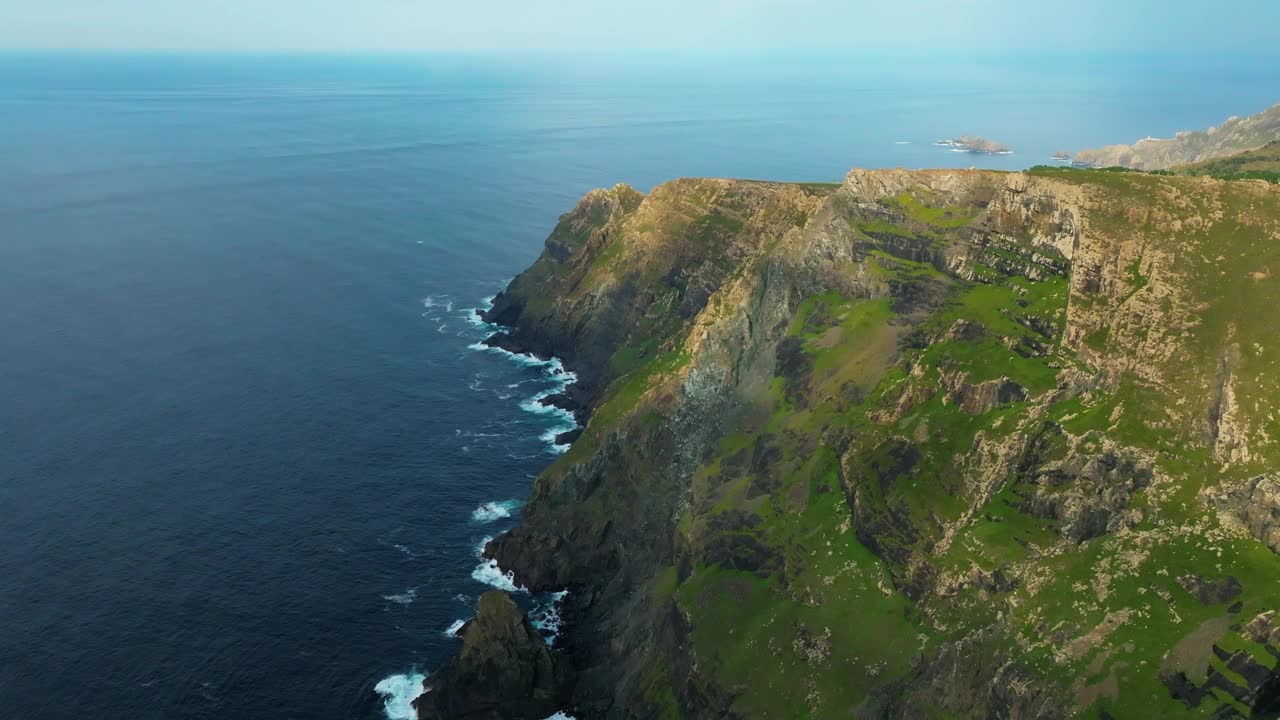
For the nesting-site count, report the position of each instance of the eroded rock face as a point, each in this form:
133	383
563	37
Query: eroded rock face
980	398
1261	509
1088	493
505	671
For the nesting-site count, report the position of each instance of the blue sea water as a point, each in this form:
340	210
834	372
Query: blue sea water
246	450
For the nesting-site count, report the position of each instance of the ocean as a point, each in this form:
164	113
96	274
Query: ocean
248	446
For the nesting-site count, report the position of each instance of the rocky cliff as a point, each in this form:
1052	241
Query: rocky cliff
1236	134
920	444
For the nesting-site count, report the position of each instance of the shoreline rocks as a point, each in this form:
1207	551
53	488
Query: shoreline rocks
504	671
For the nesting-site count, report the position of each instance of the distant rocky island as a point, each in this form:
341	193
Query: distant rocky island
1236	134
976	145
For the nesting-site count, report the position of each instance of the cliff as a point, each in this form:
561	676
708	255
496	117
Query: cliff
921	444
1235	135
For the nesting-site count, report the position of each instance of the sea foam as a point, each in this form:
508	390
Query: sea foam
490	574
545	616
403	598
399	692
560	379
493	511
454	628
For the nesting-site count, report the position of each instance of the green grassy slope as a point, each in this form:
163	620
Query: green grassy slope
992	472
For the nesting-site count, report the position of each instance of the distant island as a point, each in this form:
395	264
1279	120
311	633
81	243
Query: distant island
975	144
1062	156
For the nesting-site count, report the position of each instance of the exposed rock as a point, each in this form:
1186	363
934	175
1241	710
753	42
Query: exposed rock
1260	691
504	671
976	145
980	398
1258	504
1211	592
1265	629
1087	494
1232	136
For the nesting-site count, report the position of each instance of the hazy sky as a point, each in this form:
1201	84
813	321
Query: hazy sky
716	25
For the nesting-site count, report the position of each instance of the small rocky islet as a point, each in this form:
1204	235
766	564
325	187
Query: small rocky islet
976	145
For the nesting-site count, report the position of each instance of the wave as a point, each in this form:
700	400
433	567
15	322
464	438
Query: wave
490	574
902	142
568	421
561	716
454	628
404	598
400	691
408	551
545	616
438	301
472	315
493	511
560	380
525	359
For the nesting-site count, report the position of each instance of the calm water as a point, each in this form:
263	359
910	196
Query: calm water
243	436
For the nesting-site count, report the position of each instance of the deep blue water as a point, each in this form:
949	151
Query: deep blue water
242	434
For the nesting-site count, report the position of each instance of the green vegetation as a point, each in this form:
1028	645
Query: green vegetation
943	217
1260	164
944	450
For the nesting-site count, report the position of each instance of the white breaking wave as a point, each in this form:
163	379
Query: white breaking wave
493	511
490	574
399	692
473	314
454	628
546	616
555	372
438	301
525	359
561	716
403	598
902	142
562	379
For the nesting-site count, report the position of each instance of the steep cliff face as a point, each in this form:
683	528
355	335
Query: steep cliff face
1234	135
924	444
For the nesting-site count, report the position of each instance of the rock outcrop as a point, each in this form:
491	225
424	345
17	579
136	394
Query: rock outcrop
504	671
1257	503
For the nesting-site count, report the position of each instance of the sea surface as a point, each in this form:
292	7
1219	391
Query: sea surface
246	440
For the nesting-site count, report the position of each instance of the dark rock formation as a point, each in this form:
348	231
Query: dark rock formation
504	671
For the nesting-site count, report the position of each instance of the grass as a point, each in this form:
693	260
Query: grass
945	216
846	475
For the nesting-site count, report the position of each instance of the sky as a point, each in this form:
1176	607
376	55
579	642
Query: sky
1251	26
